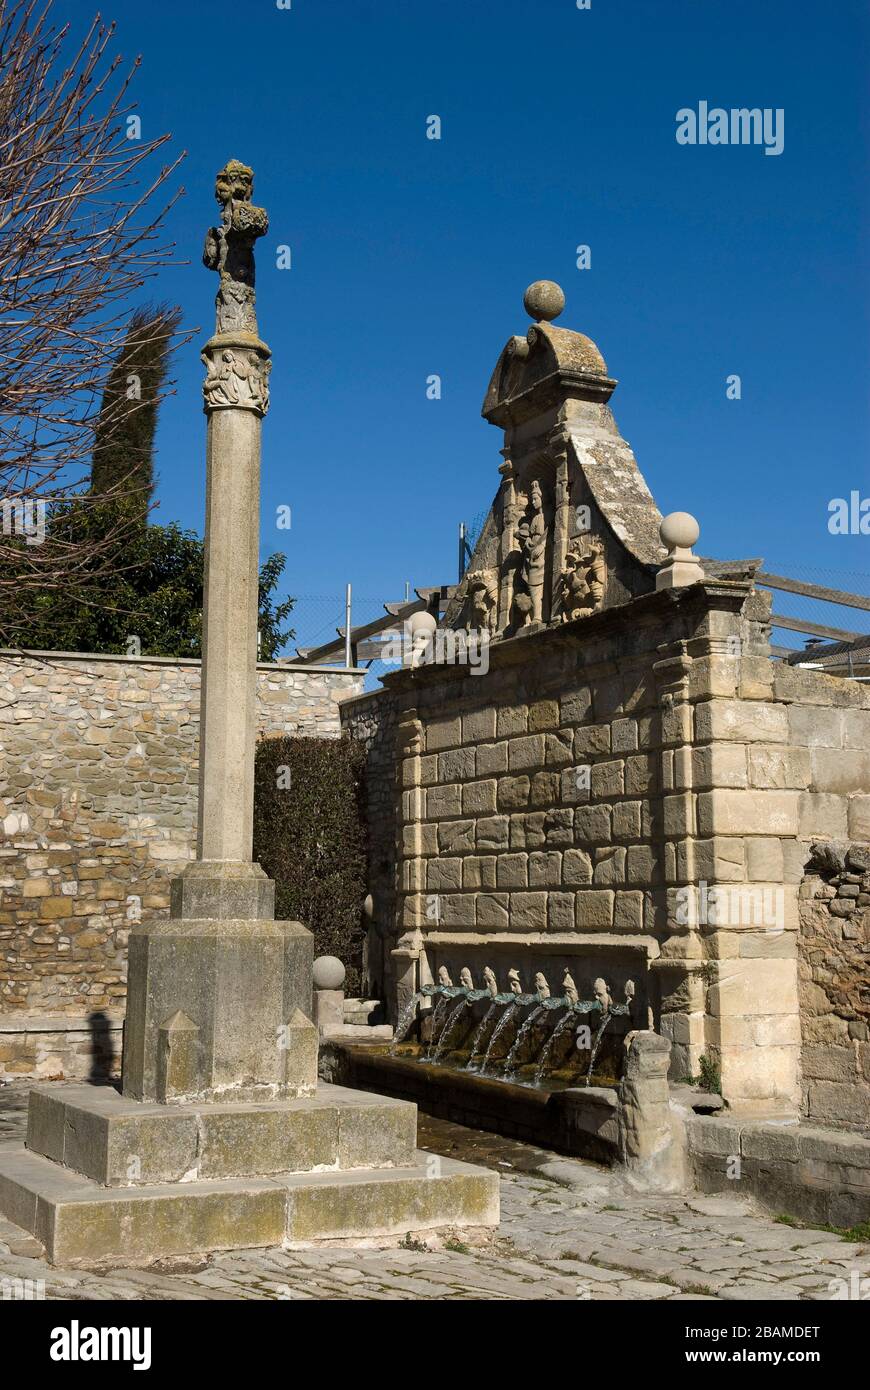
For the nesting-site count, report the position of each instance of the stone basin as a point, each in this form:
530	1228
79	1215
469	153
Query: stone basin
578	1120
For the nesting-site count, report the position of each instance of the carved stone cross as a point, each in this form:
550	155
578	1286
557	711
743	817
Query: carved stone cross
237	362
229	248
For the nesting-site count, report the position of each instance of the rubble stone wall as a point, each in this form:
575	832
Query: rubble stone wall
98	798
835	986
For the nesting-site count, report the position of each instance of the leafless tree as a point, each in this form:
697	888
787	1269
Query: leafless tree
82	206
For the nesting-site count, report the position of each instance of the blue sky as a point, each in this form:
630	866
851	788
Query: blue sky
410	257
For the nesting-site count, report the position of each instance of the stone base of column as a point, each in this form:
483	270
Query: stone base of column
224	890
219	1009
105	1178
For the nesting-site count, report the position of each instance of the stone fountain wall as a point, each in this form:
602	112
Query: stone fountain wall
576	805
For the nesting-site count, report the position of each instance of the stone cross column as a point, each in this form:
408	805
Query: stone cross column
219	996
224	882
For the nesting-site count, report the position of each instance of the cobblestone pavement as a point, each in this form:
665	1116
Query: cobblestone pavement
569	1230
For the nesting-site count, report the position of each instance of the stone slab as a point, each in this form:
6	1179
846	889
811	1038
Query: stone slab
815	1174
122	1143
81	1223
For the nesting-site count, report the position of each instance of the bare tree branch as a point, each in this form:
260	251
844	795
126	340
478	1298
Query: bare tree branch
82	209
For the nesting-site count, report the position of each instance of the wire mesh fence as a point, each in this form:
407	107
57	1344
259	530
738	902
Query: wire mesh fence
803	608
318	618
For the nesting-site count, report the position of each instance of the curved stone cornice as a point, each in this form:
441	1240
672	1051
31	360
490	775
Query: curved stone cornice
540	371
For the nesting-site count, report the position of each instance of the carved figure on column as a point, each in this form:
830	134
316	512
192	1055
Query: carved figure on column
236	377
229	248
531	538
237	363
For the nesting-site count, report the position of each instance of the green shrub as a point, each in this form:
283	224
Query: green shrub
710	1075
309	836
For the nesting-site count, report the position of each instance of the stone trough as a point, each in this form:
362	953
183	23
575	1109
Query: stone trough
578	1120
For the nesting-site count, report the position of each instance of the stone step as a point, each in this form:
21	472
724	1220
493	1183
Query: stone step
81	1223
123	1143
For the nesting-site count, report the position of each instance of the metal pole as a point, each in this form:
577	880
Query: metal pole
461	549
348	656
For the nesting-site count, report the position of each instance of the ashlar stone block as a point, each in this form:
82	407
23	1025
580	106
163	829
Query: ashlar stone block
545	869
513	793
742	721
492	911
479	798
512	719
528	912
526	752
512	871
594	909
493	832
478	871
492	758
576	867
543	714
729	812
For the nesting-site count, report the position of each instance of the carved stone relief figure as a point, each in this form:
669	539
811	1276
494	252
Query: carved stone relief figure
481	607
236	377
581	583
603	995
531	542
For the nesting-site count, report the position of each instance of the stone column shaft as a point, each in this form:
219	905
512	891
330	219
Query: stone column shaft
228	706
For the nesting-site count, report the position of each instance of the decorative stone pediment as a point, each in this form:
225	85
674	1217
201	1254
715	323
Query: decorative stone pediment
540	371
573	527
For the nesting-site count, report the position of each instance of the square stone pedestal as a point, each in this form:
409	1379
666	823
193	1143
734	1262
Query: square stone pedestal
219	1009
103	1177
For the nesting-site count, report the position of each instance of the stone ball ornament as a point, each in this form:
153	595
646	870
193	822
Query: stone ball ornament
421	624
328	973
679	529
544	301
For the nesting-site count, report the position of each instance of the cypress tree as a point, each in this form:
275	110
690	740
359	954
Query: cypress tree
122	468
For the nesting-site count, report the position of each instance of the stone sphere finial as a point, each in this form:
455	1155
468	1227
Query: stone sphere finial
679	529
328	973
544	300
421	623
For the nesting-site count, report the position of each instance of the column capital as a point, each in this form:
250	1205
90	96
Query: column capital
237	373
